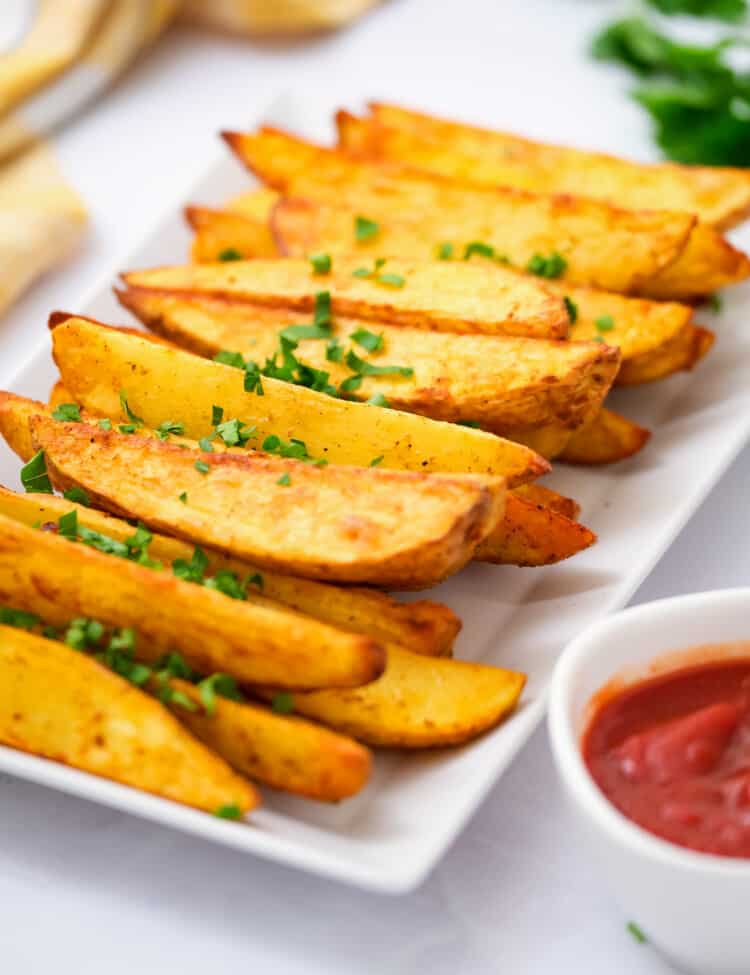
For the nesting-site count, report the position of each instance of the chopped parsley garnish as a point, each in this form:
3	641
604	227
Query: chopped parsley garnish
365	229
550	266
183	497
572	309
480	248
230	254
194	570
105	424
445	251
378	400
285	480
469	423
322	311
334	351
18	618
391	280
83	634
363	368
714	303
375	461
127	428
368	340
78	495
168	427
636	933
321	263
67	411
256	579
205	445
34	475
230	811
235	434
282	702
227	358
202	467
67	525
362	272
297	333
221	685
605	323
296	449
136	421
217	415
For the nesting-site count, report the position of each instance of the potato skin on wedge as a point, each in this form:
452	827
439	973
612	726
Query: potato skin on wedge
422	626
388	528
718	195
442	296
419	702
96	362
96	721
606	439
501	382
282	751
57	579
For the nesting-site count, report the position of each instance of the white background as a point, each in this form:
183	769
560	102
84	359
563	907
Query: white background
84	889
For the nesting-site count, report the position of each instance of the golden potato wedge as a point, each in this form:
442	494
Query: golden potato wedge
282	751
717	195
224	236
44	573
97	362
550	499
532	534
442	296
681	353
95	721
58	395
255	204
605	247
501	382
707	264
395	529
422	625
419	702
608	438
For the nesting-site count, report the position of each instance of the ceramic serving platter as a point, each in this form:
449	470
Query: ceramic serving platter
390	836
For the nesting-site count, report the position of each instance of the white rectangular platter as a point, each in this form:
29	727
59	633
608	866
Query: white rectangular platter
390	836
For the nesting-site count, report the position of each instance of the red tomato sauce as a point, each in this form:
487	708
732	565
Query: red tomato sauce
673	755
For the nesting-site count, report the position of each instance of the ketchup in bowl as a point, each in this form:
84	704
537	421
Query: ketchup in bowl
672	753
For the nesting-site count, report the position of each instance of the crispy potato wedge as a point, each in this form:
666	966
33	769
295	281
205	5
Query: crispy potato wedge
422	626
550	499
419	702
605	247
443	296
707	264
58	580
533	534
388	528
502	382
282	751
219	233
256	204
717	195
95	721
97	362
608	438
655	339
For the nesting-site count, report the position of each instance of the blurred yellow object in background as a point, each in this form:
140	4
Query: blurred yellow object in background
275	16
42	221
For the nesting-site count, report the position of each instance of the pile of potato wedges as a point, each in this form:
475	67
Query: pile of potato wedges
353	388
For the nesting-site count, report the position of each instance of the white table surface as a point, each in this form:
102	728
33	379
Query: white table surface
85	889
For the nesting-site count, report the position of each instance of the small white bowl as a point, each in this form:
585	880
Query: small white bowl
693	907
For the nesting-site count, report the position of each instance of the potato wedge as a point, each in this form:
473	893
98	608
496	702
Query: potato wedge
58	395
532	534
419	702
57	579
502	382
388	528
442	296
97	362
285	752
608	438
605	247
717	195
681	353
550	499
219	234
423	626
95	721
707	264
255	204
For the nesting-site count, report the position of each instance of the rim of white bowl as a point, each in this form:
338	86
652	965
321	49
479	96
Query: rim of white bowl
567	752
